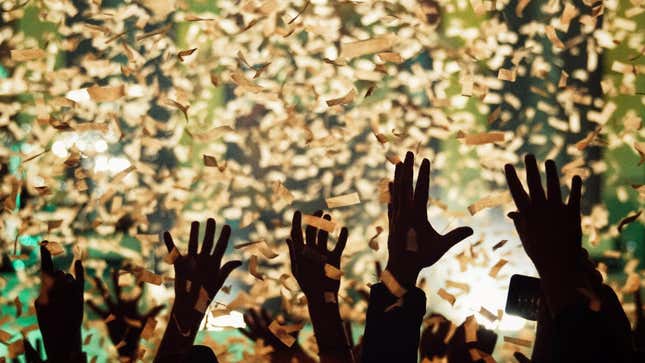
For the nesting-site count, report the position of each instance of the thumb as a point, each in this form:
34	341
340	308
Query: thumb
521	358
455	236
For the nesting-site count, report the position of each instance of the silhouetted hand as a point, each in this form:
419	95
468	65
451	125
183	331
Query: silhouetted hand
550	230
127	323
308	260
59	309
413	243
198	277
257	327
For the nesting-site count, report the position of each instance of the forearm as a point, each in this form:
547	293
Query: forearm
178	338
333	345
393	326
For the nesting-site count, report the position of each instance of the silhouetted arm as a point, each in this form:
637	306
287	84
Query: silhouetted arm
588	323
413	244
198	277
392	332
59	309
308	260
123	333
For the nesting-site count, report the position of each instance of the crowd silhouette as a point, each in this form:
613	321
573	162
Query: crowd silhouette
580	319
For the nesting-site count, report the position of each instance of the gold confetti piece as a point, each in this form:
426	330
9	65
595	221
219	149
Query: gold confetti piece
54	248
484	138
553	37
564	76
132	322
458	285
499	244
632	284
300	12
282	332
202	301
319	223
185	53
362	47
494	200
107	93
627	220
28	329
519	8
568	14
122	174
470	329
392	57
16	348
161	30
330	297
88	339
640	148
23	55
211	161
507	74
498	266
332	272
5	337
346	99
253	268
393	158
149	328
487	314
518	341
289	282
373	243
239	78
148	276
120	345
172	256
18	304
612	254
110	318
343	200
450	298
494	115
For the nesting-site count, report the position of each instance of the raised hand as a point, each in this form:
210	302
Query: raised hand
59	309
308	259
127	323
257	327
413	243
544	222
550	230
198	277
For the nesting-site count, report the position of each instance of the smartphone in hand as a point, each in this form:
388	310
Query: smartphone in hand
523	297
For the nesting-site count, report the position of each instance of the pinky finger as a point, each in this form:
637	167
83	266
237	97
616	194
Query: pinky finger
341	243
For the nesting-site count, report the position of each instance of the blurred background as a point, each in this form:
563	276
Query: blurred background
122	119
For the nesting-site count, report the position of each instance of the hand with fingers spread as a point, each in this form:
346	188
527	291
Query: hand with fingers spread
413	243
198	277
544	222
127	323
59	309
396	306
308	259
582	319
257	327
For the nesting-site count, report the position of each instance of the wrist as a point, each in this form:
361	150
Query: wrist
180	333
406	277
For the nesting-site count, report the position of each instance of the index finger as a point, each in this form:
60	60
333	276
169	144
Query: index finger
518	193
46	263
